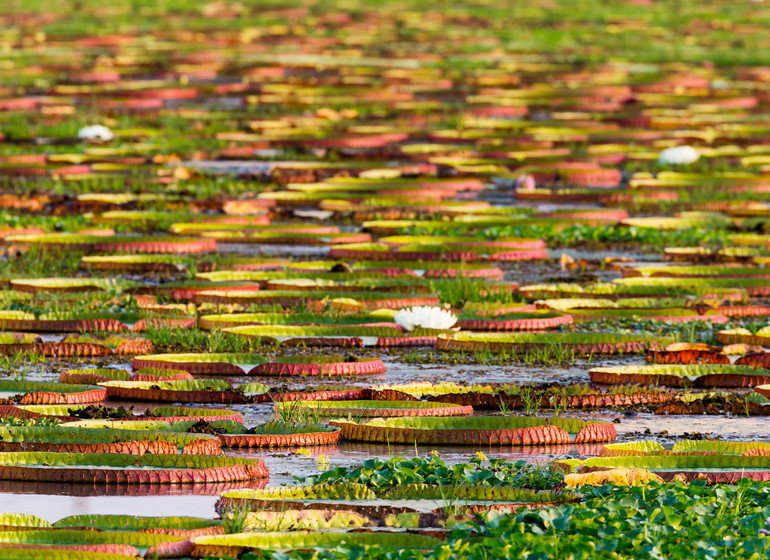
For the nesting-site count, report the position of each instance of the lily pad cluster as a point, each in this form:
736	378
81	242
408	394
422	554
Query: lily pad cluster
232	231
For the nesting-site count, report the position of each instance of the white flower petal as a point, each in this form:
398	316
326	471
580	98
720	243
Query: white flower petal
425	317
679	155
96	132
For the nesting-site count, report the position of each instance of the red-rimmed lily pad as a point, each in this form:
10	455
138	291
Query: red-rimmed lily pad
167	525
137	263
314	299
713	468
322	335
683	375
92	376
423	269
115	244
224	320
492	397
212	363
63	439
525	321
687	447
380	409
434	252
252	364
167	414
319	393
88	322
156	374
668	315
744	336
186	391
755	287
277	434
76	544
462	241
187	289
579	343
698	271
476	430
44	392
81	346
116	468
320	365
688	356
286	238
618	291
402	499
239	543
36	285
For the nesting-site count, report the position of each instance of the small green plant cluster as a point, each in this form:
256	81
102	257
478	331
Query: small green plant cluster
42	421
382	474
461	290
650	522
65	306
175	339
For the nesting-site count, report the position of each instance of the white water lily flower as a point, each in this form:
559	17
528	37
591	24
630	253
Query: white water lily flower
679	155
96	132
426	317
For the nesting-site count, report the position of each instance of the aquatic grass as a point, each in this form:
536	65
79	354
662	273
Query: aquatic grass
171	340
551	354
296	412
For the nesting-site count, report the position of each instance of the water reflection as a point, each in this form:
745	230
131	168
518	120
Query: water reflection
92	490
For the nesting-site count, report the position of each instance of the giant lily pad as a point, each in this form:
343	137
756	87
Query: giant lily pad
476	430
238	543
398	500
426	269
70	284
687	447
168	414
115	468
745	336
116	244
512	396
276	434
681	375
63	439
42	392
668	315
185	391
636	290
250	364
427	252
92	376
579	343
713	468
364	408
525	321
752	286
327	335
314	299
